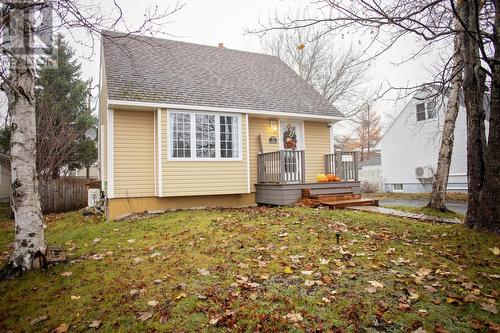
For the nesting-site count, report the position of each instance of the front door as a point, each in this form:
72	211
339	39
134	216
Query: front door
292	140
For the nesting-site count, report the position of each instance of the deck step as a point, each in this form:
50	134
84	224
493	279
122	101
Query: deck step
336	197
331	190
348	203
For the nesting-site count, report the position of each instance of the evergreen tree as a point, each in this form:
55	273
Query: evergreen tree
63	114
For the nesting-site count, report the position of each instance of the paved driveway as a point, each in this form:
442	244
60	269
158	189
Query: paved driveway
457	207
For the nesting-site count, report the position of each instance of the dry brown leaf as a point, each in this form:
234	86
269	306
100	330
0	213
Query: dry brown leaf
490	307
424	271
38	320
66	273
404	307
95	324
294	317
145	316
376	284
63	328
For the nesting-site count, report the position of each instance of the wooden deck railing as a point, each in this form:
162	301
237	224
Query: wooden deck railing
343	163
283	166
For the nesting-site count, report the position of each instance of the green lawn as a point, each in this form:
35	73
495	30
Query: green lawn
258	269
427	211
450	196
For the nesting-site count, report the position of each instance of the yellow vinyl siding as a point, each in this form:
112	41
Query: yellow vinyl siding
134	153
187	178
317	144
256	127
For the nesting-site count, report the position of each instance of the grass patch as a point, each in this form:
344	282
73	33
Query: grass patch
450	196
428	211
266	269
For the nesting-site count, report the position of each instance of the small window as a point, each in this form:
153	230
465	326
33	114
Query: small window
426	110
397	187
420	111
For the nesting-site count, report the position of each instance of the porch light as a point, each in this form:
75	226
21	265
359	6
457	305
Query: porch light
274	125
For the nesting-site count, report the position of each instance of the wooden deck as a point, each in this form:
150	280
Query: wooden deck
286	194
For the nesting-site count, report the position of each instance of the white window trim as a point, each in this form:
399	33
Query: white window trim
193	137
159	122
110	188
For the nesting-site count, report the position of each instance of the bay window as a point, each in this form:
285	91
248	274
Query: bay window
204	136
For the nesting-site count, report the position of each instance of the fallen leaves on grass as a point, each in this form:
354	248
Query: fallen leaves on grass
66	273
203	271
495	250
95	324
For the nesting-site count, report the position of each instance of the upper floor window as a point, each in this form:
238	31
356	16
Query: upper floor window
426	110
204	136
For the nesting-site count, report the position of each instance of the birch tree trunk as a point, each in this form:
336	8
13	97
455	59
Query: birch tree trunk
29	241
446	150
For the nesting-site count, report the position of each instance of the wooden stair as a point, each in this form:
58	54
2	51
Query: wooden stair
336	198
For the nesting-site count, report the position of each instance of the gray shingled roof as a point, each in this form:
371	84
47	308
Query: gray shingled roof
146	69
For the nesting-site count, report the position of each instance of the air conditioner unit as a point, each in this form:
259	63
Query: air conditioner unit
424	172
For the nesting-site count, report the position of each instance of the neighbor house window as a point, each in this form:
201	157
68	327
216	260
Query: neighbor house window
204	136
397	187
426	110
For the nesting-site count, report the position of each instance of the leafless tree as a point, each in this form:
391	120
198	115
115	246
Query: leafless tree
432	22
19	28
56	137
333	70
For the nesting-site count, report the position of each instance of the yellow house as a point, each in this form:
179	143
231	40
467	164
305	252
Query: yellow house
187	126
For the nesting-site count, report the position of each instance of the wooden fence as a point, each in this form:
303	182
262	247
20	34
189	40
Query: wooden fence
63	194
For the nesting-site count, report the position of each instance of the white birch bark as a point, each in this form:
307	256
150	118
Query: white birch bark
29	241
440	182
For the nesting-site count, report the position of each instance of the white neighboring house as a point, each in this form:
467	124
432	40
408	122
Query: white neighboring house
410	147
370	172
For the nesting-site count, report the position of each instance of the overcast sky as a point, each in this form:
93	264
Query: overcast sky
211	22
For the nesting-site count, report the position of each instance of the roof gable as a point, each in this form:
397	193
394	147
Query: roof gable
145	69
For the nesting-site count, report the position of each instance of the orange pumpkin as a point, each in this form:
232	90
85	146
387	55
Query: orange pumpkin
337	179
321	178
331	178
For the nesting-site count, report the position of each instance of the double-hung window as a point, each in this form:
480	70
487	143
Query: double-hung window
426	110
204	136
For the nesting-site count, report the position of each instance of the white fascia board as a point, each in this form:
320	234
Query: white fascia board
113	103
111	155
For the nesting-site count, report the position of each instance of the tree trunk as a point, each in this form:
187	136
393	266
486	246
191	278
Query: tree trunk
473	95
29	241
446	150
489	203
87	172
